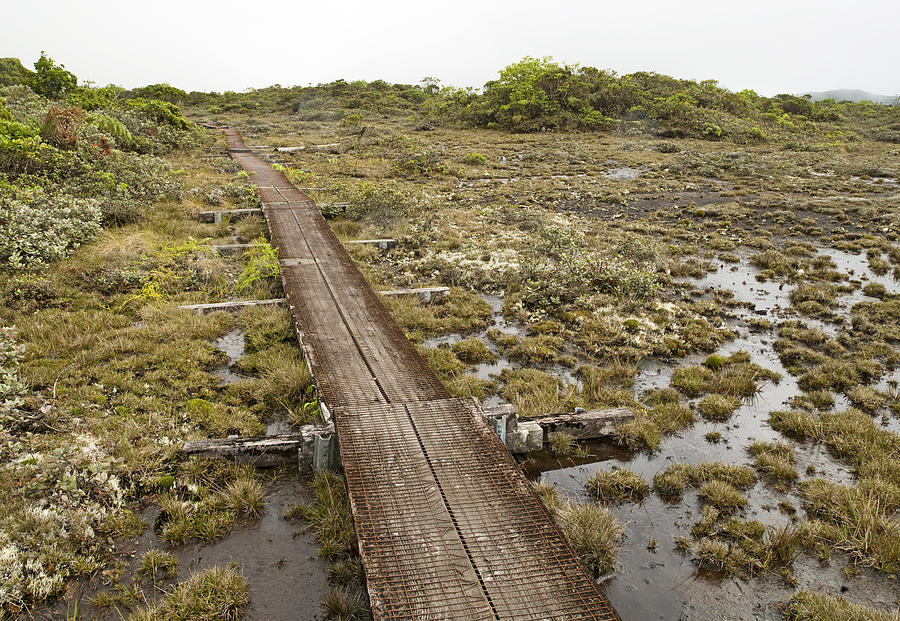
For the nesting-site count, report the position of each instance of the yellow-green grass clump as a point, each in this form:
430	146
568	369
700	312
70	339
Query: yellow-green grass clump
617	486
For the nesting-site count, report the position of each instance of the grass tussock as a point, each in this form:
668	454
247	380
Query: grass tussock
723	496
214	594
535	392
330	516
343	605
873	451
734	377
811	606
859	520
717	407
278	384
473	351
676	478
206	499
617	486
594	534
158	565
741	548
776	460
652	423
591	530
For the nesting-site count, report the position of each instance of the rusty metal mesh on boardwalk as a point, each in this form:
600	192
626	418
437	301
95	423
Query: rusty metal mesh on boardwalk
448	526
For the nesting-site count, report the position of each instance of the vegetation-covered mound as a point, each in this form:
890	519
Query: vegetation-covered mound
540	94
73	158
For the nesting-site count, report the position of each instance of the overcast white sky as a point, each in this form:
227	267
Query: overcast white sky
771	46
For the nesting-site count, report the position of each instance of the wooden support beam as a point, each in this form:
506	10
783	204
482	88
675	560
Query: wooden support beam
234	214
231	249
426	294
263	451
230	306
584	424
383	244
312	448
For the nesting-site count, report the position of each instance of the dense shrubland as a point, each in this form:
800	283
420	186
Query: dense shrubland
540	94
75	158
534	94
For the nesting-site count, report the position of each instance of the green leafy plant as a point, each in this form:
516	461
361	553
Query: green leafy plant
262	262
52	80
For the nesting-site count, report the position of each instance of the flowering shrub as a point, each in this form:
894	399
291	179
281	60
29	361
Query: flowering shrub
39	228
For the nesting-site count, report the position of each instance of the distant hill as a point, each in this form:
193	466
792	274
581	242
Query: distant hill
854	95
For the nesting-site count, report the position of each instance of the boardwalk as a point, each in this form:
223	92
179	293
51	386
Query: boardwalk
448	527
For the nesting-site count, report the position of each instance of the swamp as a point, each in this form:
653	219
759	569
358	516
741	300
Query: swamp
724	265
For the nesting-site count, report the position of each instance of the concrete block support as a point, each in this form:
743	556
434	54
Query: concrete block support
326	455
527	437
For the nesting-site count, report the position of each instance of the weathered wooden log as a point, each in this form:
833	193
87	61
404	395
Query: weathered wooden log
383	244
230	306
263	451
426	294
312	448
585	424
231	249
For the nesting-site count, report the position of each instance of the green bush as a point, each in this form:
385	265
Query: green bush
52	80
161	112
162	92
40	227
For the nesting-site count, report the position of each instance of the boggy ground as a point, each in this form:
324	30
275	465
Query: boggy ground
742	299
103	519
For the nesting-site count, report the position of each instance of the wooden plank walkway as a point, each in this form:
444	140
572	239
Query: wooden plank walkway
448	526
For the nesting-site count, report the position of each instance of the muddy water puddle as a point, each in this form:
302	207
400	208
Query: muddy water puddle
232	344
664	583
771	298
278	558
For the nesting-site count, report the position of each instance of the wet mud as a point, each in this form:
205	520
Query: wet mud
279	559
